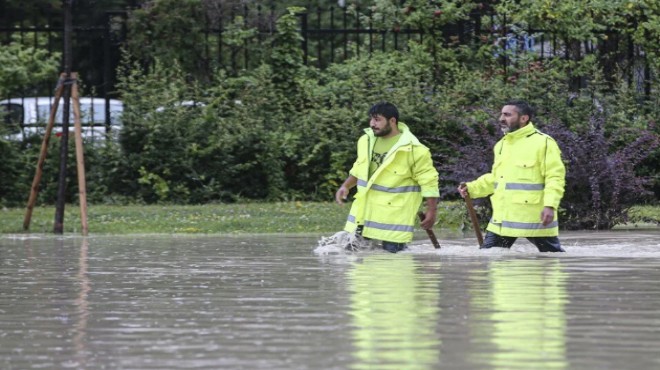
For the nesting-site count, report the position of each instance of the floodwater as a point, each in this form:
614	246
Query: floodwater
282	302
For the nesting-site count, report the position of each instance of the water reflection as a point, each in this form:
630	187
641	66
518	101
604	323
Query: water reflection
394	313
525	316
82	305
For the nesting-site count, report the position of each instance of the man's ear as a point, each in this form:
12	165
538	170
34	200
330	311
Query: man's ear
392	121
524	118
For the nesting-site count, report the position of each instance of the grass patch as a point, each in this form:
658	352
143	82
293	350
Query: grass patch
283	217
643	216
241	218
290	217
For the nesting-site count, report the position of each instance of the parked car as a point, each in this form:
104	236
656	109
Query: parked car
22	118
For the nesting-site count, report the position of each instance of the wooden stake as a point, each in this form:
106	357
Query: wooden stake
475	220
429	232
42	154
80	158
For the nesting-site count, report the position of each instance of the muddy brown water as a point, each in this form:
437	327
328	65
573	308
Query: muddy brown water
282	302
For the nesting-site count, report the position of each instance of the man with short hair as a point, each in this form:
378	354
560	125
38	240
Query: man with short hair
393	172
526	183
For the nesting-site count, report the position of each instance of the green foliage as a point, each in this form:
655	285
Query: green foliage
416	14
155	32
161	136
286	57
102	164
24	65
575	19
10	170
645	28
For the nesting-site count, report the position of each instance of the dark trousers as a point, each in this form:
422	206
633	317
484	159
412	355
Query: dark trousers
391	247
543	243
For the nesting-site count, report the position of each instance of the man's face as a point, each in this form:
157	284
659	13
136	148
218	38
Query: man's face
511	120
381	126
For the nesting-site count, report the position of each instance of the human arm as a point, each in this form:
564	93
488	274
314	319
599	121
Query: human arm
554	182
554	175
342	192
431	213
479	188
427	177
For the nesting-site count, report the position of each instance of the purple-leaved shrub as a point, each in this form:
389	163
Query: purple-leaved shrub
601	182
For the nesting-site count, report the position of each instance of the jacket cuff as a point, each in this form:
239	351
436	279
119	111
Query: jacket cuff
430	193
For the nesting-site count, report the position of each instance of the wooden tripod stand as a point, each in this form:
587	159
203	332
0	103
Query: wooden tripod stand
80	160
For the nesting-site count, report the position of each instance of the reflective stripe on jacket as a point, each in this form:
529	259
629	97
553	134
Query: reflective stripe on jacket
386	204
527	175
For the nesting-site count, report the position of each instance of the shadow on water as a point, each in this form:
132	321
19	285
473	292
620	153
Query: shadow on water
283	301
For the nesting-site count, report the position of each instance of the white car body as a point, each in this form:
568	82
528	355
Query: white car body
24	117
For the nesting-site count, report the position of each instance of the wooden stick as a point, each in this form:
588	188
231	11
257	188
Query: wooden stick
42	155
80	158
429	232
475	220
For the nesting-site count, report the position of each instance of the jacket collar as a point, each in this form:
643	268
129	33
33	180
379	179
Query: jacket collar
522	132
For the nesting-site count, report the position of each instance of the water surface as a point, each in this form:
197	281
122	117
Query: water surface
281	302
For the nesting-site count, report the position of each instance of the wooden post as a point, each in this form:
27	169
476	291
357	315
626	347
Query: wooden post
429	232
80	158
475	220
42	154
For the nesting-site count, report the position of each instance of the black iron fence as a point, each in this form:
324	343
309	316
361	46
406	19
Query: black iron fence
329	35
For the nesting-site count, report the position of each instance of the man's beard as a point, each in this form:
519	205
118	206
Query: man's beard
506	129
382	132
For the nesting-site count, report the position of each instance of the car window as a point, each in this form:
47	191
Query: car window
89	113
43	112
98	112
115	117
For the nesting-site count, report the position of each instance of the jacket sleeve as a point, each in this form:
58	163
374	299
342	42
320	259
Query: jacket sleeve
424	173
361	157
482	187
555	174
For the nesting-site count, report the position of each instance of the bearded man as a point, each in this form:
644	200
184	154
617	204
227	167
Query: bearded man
526	183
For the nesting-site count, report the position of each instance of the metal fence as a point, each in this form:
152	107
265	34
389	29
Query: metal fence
330	35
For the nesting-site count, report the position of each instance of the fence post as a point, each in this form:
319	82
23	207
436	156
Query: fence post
107	70
304	34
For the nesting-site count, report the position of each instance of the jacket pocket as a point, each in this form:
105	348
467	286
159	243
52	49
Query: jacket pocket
396	171
527	197
526	170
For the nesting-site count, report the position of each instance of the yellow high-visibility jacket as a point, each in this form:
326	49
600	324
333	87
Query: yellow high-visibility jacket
387	203
527	175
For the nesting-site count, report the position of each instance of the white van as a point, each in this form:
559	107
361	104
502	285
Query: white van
21	118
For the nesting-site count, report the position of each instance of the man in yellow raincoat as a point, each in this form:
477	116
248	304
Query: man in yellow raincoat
393	172
526	183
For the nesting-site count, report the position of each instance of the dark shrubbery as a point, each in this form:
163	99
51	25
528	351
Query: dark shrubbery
601	181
